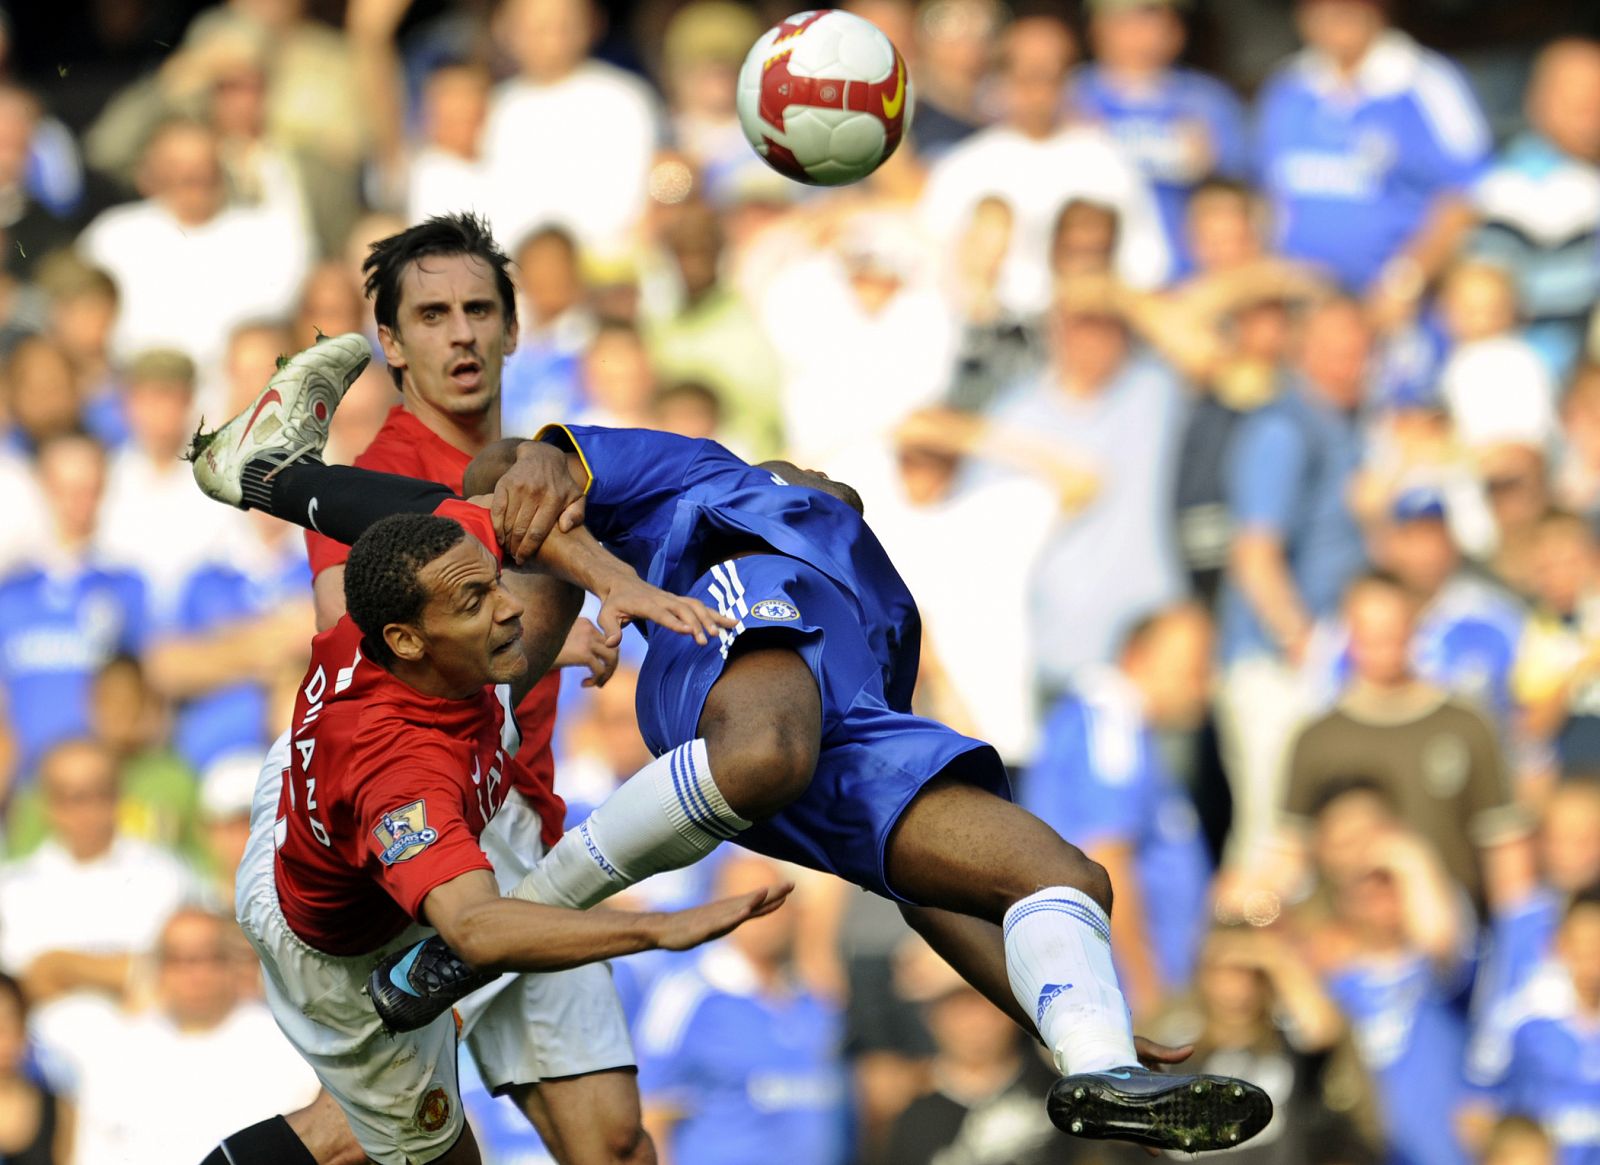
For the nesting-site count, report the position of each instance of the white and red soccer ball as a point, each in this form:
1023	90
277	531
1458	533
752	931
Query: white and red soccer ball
824	97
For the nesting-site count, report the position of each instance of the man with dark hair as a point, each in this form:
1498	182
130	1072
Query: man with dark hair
390	807
795	737
447	319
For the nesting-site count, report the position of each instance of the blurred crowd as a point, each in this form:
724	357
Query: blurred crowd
1239	438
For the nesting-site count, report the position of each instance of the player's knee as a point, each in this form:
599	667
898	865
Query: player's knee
1067	865
761	767
1091	878
626	1143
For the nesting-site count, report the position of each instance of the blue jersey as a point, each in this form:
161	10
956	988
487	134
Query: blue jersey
56	630
1541	1058
1411	1030
1352	171
234	717
1155	127
1521	939
753	1076
1099	777
669	506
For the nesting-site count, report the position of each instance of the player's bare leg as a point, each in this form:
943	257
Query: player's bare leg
966	850
588	1120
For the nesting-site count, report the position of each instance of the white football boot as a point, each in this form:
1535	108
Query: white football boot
288	422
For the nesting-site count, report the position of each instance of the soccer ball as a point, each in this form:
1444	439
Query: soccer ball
824	98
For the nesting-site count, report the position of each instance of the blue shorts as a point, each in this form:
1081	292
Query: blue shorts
874	760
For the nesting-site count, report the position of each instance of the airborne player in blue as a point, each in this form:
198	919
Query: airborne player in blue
792	735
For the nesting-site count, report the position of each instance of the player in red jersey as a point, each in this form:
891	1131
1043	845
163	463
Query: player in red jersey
446	314
395	781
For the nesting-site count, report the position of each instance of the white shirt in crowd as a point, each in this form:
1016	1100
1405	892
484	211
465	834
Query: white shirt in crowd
27	520
148	1093
576	152
188	287
154	521
845	375
1036	179
113	904
1499	390
439	182
968	560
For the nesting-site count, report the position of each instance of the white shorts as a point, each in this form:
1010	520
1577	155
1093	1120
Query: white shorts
399	1092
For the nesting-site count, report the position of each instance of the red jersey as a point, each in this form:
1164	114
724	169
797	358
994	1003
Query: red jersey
407	447
386	795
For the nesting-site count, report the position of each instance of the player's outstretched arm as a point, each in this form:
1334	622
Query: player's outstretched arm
625	597
492	933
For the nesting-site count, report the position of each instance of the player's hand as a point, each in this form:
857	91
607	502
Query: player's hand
682	929
632	598
532	497
586	646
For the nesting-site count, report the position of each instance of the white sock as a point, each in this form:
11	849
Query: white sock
668	815
1058	957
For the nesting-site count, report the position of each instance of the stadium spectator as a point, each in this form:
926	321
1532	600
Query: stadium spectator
237	623
149	489
736	1058
1038	161
64	613
1517	483
1467	628
1113	414
1539	202
1100	775
1368	146
559	104
705	332
1522	931
988	1086
929	488
190	267
1495	385
1228	329
1531	1061
1177	125
157	800
1295	546
997	348
1438	759
619	382
701	51
1259	1008
199	1039
83	305
33	229
41	402
1395	951
542	378
955	48
86	904
1518	1140
39	1125
1556	676
889	336
1576	477
226	790
689	409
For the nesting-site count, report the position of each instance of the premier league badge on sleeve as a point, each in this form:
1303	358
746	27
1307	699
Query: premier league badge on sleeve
404	833
775	611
